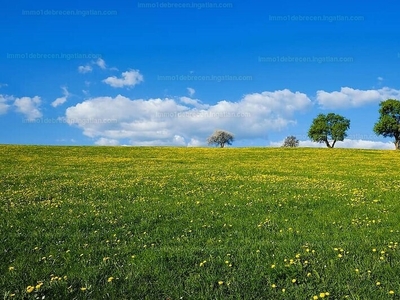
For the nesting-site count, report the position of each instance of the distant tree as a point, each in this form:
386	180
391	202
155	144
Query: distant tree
220	138
388	124
328	127
291	141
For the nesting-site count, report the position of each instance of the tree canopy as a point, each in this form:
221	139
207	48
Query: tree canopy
220	138
291	141
388	124
329	127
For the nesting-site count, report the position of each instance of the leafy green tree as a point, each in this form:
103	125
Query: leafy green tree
220	138
388	124
291	141
329	127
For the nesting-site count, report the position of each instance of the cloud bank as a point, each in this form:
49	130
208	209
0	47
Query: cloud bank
184	121
349	97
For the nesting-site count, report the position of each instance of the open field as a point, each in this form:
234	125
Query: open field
198	223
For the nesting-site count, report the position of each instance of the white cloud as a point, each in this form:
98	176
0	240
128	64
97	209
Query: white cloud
168	122
191	91
195	143
29	107
276	144
380	78
61	100
178	140
85	69
194	102
101	63
283	102
88	68
129	78
364	144
3	85
4	106
106	142
349	143
349	97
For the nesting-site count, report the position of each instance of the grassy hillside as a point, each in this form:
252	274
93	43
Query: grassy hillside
198	223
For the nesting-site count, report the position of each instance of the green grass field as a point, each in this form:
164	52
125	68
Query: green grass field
199	223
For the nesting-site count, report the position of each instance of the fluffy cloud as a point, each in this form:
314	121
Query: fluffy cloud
88	68
85	69
4	106
168	122
349	143
101	63
29	107
363	144
195	143
178	140
194	102
349	97
106	142
129	78
61	100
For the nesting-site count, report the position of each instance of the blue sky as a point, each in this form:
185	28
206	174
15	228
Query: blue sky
170	73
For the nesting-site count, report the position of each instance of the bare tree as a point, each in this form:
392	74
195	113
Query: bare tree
220	138
291	141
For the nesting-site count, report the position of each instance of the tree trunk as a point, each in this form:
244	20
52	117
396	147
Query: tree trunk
222	145
397	144
333	144
327	144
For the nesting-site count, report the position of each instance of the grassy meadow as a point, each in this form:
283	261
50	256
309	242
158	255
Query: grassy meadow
198	223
